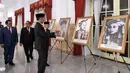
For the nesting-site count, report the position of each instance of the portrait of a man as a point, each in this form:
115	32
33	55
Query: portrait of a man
82	30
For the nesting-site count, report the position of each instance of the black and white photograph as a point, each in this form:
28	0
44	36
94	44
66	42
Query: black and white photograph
114	32
63	23
113	35
82	30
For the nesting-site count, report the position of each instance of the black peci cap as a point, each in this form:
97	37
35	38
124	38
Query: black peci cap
46	23
40	15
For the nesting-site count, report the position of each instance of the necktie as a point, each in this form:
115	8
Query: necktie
28	29
9	30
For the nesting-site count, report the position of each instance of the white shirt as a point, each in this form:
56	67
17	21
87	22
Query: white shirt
28	28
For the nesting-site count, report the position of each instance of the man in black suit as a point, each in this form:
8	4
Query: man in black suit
46	26
9	39
42	36
27	39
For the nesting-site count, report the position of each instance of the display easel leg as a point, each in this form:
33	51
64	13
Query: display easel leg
53	46
94	59
85	61
91	53
125	63
116	58
68	44
68	53
61	51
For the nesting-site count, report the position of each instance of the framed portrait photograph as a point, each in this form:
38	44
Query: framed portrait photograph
63	24
114	34
51	23
82	30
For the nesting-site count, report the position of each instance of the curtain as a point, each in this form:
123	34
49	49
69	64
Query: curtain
32	15
34	18
48	10
35	12
19	24
79	12
97	11
21	13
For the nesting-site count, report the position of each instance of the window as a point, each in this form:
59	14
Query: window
123	4
107	5
107	10
124	10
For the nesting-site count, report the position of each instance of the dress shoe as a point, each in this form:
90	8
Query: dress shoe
28	61
12	64
6	62
47	64
31	57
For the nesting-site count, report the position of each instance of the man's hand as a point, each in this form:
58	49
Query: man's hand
16	43
21	44
2	45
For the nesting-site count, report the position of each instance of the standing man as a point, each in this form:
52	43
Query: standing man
27	40
46	26
9	40
42	37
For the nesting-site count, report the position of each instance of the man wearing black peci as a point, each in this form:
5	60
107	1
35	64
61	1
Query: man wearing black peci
42	36
46	26
27	39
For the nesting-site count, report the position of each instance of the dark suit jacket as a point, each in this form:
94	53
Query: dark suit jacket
26	36
42	37
8	39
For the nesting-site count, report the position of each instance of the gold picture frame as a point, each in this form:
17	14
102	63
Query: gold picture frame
62	33
114	34
82	31
52	23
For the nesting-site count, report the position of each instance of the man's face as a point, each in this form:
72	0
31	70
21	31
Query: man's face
42	19
28	24
113	28
46	26
83	26
9	24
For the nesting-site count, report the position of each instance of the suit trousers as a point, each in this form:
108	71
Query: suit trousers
9	53
42	61
28	49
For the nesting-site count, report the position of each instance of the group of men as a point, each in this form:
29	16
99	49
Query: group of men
40	35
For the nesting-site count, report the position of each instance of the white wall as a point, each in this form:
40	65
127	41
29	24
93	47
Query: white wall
63	9
12	5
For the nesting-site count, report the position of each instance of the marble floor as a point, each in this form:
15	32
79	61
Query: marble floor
73	64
